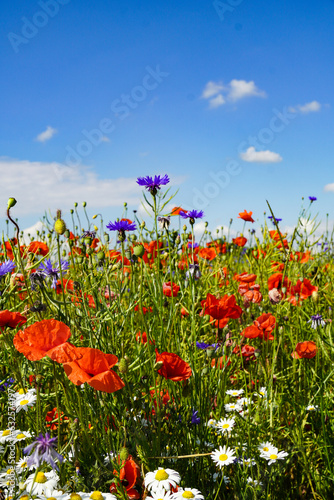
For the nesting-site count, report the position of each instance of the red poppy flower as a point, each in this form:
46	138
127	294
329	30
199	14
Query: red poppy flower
173	368
246	216
240	241
145	309
177	210
184	312
226	307
253	294
170	289
245	277
303	289
94	367
207	253
11	319
275	281
307	349
53	415
247	351
219	362
142	338
128	475
46	338
262	327
38	248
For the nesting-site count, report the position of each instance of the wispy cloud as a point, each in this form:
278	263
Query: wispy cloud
46	135
253	156
309	107
218	94
329	188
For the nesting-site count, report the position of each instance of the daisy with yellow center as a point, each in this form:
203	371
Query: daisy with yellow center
225	425
162	479
235	392
188	493
26	402
43	481
273	454
160	495
265	447
20	436
6	435
223	456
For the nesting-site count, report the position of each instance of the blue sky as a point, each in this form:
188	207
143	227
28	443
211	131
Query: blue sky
233	100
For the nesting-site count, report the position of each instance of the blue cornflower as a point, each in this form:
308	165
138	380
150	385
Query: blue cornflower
192	214
6	267
88	234
273	220
194	271
152	185
316	321
204	345
121	226
195	419
53	272
195	245
37	278
5	384
44	451
312	199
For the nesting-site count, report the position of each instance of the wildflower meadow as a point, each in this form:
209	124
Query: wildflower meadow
139	360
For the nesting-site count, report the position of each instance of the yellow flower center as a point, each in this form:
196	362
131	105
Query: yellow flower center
9	471
41	478
96	495
24	497
188	494
75	496
161	475
51	498
6	432
21	436
24	402
24	465
273	457
223	457
22	391
266	448
226	426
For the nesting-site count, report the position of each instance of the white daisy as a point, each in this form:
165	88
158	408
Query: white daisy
7	435
265	447
25	402
232	407
7	474
245	402
254	482
22	393
51	494
223	456
247	462
20	436
22	466
225	425
212	423
312	408
188	493
162	479
97	495
235	392
262	392
273	454
43	480
160	495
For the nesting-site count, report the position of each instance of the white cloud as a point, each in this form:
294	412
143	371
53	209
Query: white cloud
240	89
32	230
218	94
329	188
46	135
309	107
104	138
267	156
211	89
216	101
38	186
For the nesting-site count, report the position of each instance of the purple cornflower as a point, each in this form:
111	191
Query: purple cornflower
37	278
121	226
316	321
312	199
195	245
152	185
6	267
273	220
5	384
53	272
195	419
88	234
204	345
44	451
192	214
194	271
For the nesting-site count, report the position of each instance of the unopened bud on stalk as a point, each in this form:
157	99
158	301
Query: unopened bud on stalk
11	203
60	226
123	365
123	454
84	204
315	296
139	250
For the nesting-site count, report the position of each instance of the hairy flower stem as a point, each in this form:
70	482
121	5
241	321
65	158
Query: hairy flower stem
61	275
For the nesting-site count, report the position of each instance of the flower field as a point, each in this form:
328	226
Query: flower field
138	361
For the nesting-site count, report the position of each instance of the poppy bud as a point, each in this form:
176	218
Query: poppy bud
210	352
96	228
94	216
158	365
100	255
205	371
11	203
75	204
123	365
60	226
123	454
84	204
106	237
142	225
139	250
315	296
90	251
128	254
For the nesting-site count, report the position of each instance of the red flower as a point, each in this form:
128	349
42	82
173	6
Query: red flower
129	474
53	415
226	307
46	338
184	312
142	338
245	277
177	210
275	281
207	253
173	368
94	367
170	289
219	362
303	289
11	319
307	349
247	351
38	248
246	216
240	241
262	327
